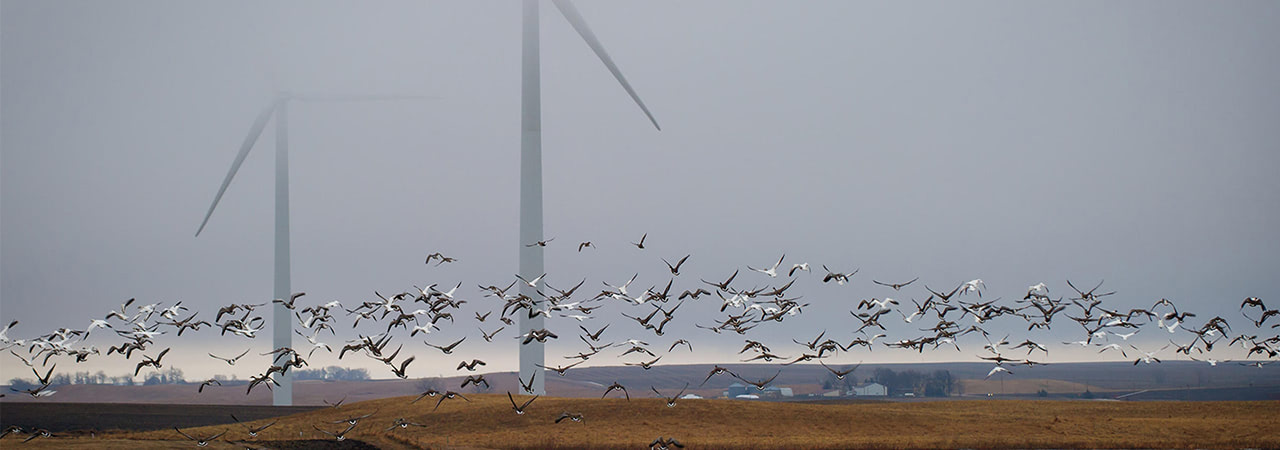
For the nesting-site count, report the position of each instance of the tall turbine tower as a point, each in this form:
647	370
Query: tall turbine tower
531	261
281	323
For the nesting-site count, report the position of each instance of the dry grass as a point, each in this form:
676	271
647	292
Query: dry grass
489	422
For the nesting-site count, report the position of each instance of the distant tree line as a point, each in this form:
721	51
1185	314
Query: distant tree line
940	383
83	377
331	373
174	375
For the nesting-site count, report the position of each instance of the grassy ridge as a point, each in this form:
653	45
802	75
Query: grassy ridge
489	422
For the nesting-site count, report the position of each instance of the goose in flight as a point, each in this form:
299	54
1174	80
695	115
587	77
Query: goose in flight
447	396
443	259
520	408
40	433
576	417
208	382
424	329
402	423
527	387
149	361
795	267
695	293
724	286
1253	301
532	284
540	335
1124	337
664	443
616	386
1037	291
1147	357
428	393
12	429
623	289
341	435
585	244
356	419
540	243
944	297
292	298
840	374
558	369
447	349
474	379
881	304
118	314
47	376
840	278
253	431
488	337
1030	345
768	357
640	245
335	405
470	366
717	370
200	441
675	270
1114	347
976	286
896	286
99	323
400	371
671	401
646	365
172	312
4	334
594	336
998	369
761	384
264	379
1090	294
772	271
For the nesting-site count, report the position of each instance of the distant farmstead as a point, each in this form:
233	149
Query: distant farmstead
871	390
738	390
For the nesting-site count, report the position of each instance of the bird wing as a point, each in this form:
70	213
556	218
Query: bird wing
184	434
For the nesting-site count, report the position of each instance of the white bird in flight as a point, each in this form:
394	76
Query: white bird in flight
772	271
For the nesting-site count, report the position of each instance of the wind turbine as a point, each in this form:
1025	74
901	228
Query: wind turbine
281	325
531	258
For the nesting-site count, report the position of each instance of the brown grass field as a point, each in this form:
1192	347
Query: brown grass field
488	421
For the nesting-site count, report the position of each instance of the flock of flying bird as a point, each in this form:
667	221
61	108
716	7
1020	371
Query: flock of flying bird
943	315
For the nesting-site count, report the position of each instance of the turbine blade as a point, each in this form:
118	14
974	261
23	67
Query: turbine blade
254	132
571	14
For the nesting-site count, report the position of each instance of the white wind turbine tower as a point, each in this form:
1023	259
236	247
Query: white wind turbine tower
281	323
531	261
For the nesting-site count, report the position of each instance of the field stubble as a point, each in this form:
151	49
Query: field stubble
489	422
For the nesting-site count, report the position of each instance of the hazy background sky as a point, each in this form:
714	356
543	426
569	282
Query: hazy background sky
1018	143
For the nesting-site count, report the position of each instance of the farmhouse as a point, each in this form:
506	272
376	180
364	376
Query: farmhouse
871	390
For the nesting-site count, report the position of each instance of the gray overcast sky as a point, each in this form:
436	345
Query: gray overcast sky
1015	142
